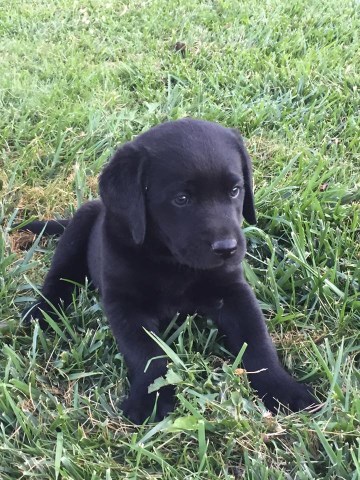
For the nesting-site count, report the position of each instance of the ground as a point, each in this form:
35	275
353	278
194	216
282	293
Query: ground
78	78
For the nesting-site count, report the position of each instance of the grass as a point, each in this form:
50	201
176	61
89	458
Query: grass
78	78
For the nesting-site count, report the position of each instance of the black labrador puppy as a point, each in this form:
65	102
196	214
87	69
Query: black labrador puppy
165	237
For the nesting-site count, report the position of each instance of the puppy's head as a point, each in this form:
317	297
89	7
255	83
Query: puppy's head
191	181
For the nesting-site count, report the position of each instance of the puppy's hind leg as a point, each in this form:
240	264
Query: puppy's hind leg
68	267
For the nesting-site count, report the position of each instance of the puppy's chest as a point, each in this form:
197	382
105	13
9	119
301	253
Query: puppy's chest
187	297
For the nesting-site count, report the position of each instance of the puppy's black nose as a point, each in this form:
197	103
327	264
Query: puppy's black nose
224	248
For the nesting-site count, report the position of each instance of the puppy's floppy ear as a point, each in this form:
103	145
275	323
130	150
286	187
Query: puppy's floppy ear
249	206
122	190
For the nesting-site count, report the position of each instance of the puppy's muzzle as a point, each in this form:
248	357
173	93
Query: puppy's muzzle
224	248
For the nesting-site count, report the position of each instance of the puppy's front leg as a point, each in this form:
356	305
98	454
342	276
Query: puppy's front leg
128	323
241	320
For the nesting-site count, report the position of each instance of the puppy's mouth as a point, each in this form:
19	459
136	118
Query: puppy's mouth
198	255
197	260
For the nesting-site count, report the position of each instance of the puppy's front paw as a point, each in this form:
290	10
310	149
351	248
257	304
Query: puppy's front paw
289	395
140	405
36	311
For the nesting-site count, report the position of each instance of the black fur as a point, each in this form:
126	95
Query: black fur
50	227
165	237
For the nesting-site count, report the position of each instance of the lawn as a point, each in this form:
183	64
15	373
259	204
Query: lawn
78	78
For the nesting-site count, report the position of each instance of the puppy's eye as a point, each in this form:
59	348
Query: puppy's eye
234	192
181	200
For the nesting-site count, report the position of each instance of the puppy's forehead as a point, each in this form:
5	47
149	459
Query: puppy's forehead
186	146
